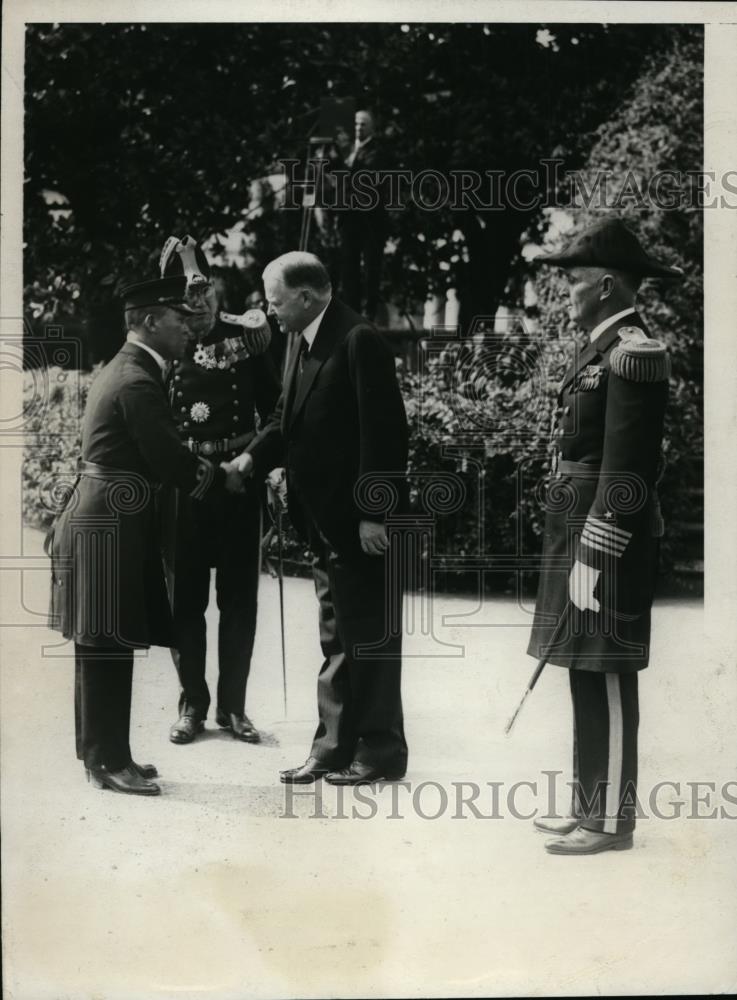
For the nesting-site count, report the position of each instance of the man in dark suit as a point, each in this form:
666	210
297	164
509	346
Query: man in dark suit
225	380
340	427
602	528
363	230
108	585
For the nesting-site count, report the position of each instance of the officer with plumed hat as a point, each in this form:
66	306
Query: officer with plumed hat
225	384
602	528
108	589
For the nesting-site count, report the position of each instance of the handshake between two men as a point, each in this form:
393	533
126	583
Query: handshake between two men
237	471
373	536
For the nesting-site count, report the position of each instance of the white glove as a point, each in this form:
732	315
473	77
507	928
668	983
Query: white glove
581	584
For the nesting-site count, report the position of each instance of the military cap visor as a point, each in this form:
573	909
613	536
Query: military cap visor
610	243
159	292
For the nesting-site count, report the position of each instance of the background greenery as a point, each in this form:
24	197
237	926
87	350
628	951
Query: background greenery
152	129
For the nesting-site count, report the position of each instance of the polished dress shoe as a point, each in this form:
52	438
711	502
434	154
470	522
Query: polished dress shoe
145	770
127	781
312	770
362	774
240	726
185	729
558	826
581	841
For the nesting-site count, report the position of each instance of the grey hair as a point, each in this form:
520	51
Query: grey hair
299	269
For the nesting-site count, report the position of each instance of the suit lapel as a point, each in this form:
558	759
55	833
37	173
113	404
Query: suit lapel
598	347
322	347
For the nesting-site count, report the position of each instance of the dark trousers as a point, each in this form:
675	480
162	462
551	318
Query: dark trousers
605	721
358	690
223	533
363	236
102	706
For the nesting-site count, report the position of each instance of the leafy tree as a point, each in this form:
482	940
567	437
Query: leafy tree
149	129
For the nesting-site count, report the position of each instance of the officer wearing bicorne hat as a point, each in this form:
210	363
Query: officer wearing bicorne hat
224	383
602	527
108	589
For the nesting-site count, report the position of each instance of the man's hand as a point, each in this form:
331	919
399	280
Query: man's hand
233	477
373	538
276	487
581	585
236	470
242	463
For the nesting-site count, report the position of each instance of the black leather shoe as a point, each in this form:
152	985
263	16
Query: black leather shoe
312	770
362	774
558	826
582	841
240	726
145	770
128	781
185	729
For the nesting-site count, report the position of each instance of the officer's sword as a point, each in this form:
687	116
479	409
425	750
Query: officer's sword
540	666
280	557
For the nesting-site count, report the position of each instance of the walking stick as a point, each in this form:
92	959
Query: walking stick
540	666
276	499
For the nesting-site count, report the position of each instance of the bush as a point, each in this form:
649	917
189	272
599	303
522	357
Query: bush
53	403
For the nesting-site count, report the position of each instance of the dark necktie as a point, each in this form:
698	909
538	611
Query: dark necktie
304	353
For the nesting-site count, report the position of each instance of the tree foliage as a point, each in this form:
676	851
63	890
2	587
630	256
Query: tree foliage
149	129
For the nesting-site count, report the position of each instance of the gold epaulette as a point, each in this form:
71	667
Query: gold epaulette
641	361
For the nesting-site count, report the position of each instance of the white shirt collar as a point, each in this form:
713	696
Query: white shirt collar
310	331
605	324
133	338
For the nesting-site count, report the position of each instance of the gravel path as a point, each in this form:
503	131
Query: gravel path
224	888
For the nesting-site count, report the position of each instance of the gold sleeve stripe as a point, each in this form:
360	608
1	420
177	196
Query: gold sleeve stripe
609	529
205	476
599	545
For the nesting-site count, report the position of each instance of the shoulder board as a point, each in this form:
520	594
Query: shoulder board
641	361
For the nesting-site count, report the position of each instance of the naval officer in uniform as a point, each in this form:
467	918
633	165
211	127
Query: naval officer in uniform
108	585
602	527
223	384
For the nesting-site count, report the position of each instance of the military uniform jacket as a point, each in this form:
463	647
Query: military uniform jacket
601	501
215	406
216	401
108	585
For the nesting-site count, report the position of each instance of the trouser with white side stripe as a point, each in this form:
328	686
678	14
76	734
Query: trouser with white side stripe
605	720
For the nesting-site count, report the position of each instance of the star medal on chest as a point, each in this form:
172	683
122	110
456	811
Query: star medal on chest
589	378
199	412
211	356
205	356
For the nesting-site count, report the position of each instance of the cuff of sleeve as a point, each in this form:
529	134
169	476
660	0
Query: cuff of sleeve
601	539
205	478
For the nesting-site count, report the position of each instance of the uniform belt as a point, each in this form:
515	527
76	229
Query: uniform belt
85	468
220	445
566	468
112	474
